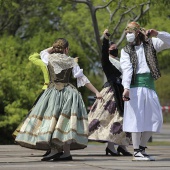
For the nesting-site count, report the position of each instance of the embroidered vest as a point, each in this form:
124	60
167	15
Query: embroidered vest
151	59
59	80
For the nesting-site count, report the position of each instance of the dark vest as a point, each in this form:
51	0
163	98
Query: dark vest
62	77
60	80
151	59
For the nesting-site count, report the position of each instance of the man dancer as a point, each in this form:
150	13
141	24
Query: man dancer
142	110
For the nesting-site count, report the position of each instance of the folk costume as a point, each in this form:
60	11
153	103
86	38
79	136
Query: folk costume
59	115
35	59
142	113
105	117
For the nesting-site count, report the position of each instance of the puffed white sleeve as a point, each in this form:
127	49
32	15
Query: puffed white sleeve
44	56
162	41
127	70
81	78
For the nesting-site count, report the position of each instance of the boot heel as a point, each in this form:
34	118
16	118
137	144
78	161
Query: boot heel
123	152
107	152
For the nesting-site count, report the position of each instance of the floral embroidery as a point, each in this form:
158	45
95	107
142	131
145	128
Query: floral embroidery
128	135
109	90
110	106
116	128
95	123
94	107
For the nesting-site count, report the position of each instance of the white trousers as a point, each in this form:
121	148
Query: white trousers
143	111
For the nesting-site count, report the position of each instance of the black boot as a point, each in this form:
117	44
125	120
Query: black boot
120	150
47	153
108	151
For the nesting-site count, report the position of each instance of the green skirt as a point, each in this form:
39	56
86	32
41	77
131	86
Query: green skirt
58	117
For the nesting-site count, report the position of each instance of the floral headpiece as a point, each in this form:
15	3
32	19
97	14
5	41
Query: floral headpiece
133	26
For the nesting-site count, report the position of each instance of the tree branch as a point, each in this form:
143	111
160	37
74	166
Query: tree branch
79	1
104	6
118	7
142	12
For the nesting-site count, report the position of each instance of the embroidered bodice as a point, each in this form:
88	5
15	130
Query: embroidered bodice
62	77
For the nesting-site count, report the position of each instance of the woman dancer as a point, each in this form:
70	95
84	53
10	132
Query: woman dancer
35	59
59	119
105	118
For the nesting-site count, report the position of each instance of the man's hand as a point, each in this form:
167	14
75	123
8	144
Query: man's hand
151	33
126	95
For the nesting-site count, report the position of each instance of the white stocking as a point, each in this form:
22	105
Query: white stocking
136	138
144	138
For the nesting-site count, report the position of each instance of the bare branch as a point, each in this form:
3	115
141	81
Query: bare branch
79	1
134	17
121	39
143	11
104	6
93	48
118	7
107	8
121	18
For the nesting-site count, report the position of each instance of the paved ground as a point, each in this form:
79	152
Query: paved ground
164	135
14	157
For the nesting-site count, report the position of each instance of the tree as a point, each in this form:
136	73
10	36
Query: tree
30	26
126	11
25	18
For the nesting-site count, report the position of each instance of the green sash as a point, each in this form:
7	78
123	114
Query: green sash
144	80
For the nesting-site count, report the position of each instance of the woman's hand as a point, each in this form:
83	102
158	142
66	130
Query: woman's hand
99	96
94	90
106	33
76	59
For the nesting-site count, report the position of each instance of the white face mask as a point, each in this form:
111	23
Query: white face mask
130	37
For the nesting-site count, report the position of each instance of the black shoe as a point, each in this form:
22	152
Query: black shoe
111	153
68	158
138	156
47	153
145	154
120	150
57	155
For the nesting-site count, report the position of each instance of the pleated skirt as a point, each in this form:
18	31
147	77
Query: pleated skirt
105	122
58	117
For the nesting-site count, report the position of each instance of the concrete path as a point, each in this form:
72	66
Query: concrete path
14	157
164	134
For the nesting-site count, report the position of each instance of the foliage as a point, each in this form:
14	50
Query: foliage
29	26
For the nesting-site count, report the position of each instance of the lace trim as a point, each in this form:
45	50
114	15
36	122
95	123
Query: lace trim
81	81
61	62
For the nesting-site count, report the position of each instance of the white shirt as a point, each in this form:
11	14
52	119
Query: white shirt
160	43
